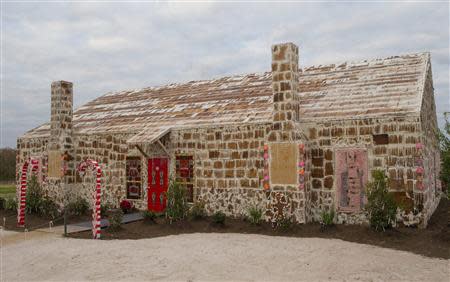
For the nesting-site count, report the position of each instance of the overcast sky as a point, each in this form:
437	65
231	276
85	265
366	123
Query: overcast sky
103	47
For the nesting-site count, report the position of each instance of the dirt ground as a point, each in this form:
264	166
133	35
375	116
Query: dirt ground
434	241
213	256
33	222
344	253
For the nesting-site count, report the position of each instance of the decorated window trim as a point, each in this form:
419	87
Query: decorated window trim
129	181
188	181
301	166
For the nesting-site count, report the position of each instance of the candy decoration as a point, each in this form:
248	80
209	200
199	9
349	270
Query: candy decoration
419	170
23	189
96	214
301	166
266	184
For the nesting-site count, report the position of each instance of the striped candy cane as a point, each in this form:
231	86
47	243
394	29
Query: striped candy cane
96	214
23	189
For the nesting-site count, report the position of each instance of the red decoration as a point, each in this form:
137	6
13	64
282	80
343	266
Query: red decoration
96	214
126	206
23	189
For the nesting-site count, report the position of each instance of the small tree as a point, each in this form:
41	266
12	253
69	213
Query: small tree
176	202
36	201
34	196
381	205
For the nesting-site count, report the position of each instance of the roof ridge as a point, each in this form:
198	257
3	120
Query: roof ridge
423	54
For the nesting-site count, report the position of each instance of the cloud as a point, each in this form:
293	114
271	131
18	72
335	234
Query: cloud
104	47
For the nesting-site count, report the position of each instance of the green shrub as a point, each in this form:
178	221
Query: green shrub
2	203
327	218
115	219
285	223
255	215
78	207
34	196
104	208
381	206
149	216
48	208
219	218
197	210
11	204
37	203
176	202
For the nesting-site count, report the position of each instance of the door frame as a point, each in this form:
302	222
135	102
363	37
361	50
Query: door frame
160	191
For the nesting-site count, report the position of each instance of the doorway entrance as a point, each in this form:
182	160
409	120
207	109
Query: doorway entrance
158	182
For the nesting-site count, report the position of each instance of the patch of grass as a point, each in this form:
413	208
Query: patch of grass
7	190
255	215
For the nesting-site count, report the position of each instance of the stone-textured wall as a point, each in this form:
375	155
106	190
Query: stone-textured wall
229	168
109	150
428	196
398	159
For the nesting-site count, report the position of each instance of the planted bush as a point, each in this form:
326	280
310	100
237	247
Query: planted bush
126	206
381	206
48	208
11	204
327	218
285	223
104	208
78	207
197	210
255	215
219	218
176	202
115	219
149	216
37	203
34	196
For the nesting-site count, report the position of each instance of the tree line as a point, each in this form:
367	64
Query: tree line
7	164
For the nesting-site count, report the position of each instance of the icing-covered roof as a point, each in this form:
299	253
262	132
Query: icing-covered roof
380	87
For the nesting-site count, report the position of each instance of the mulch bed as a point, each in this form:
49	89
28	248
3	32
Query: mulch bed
33	222
434	241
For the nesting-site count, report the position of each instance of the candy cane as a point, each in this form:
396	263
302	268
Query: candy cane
23	189
96	214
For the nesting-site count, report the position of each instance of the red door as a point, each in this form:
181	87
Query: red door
157	184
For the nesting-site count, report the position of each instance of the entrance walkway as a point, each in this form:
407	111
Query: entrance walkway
87	225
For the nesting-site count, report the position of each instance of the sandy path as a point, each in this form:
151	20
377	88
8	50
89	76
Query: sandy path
214	257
